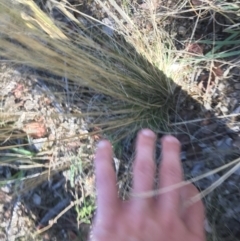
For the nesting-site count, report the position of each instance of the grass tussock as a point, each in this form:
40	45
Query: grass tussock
125	80
136	80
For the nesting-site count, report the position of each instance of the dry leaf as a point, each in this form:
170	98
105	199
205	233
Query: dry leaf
205	83
197	2
97	136
17	92
72	145
208	116
72	235
35	129
216	70
202	83
194	48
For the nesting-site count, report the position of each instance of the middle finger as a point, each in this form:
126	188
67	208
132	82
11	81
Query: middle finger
144	166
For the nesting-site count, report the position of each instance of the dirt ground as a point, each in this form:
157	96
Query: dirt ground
43	126
28	205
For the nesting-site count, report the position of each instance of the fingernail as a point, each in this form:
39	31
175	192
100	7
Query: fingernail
102	144
171	139
149	133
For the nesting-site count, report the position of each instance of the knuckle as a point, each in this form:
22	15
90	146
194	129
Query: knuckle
143	167
169	223
139	225
171	171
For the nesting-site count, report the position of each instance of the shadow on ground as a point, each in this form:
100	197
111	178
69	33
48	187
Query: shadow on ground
207	144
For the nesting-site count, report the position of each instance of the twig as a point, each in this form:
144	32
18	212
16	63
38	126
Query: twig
202	119
153	193
53	221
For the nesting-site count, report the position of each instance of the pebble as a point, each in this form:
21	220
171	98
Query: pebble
237	86
8	173
58	184
207	106
221	87
224	144
237	172
182	30
224	109
236	111
39	143
209	129
234	128
108	27
203	145
218	143
36	199
7	188
183	155
194	152
29	105
197	169
229	141
236	143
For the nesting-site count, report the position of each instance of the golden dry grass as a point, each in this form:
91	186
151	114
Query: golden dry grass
128	80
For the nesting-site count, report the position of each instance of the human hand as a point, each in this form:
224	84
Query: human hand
160	218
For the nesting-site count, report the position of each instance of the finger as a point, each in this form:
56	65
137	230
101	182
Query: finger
144	166
193	215
107	194
170	174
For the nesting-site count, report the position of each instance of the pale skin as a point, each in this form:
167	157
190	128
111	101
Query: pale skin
159	218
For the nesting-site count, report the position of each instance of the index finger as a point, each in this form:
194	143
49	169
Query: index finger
107	194
170	174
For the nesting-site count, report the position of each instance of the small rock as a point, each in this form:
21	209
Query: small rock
10	103
237	110
194	151
209	129
39	143
8	173
183	155
207	106
7	188
237	172
221	86
29	105
197	169
108	27
224	144
35	129
237	86
58	184
36	199
224	109
182	30
236	143
229	141
203	145
218	143
234	128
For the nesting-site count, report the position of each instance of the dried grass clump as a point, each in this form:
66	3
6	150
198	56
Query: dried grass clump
135	76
